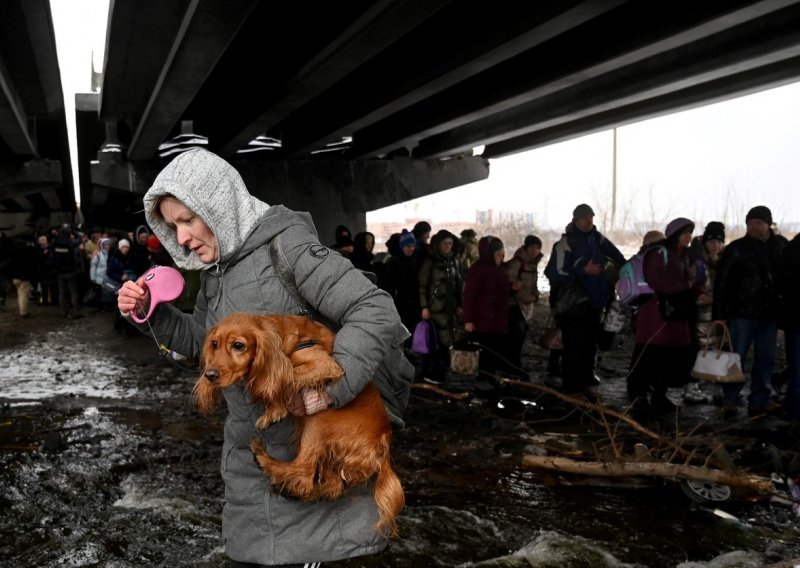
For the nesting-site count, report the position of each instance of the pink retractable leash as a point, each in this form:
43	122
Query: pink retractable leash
165	284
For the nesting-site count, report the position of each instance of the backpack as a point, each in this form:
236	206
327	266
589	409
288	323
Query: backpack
394	373
632	287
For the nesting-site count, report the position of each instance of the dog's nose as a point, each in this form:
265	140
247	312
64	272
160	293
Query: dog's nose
211	374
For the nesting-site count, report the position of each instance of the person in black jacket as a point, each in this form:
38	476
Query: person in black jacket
22	271
67	259
746	295
789	321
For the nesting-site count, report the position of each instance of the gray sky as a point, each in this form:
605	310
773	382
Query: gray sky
712	162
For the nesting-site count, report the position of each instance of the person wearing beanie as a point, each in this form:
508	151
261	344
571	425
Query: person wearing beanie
760	212
582	211
585	290
714	231
249	254
523	273
407	240
705	253
122	267
399	279
747	298
439	290
664	349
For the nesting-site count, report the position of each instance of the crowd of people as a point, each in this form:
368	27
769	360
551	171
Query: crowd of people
73	270
472	293
465	287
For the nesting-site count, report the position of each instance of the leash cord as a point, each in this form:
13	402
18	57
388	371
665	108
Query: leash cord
163	350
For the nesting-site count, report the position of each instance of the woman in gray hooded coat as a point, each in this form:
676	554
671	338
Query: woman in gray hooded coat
204	215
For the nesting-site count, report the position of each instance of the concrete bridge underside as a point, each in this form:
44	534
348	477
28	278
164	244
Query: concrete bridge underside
368	103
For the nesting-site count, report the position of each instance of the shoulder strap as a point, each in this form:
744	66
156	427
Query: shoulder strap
285	274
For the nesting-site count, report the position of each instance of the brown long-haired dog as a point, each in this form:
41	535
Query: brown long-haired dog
336	449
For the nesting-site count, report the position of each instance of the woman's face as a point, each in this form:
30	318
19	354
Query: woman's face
191	231
714	246
499	255
685	237
370	242
446	247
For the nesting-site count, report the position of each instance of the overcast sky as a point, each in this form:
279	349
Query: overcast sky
708	163
712	162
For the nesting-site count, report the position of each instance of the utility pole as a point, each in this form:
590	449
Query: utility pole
614	183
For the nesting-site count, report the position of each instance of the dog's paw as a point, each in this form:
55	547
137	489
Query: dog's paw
257	446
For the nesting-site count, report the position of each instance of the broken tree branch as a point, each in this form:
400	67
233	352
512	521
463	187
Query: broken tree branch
653	469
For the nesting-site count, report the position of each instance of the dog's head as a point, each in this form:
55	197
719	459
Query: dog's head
243	346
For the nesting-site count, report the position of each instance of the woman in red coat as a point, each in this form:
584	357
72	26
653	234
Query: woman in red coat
664	352
486	304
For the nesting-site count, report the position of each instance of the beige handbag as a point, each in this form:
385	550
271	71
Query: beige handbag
718	366
464	360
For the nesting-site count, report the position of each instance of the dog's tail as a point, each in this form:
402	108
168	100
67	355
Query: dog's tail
388	493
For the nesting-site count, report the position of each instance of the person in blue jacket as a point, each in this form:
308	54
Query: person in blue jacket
585	262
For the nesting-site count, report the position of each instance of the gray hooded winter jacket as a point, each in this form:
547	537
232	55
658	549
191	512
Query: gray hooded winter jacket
259	525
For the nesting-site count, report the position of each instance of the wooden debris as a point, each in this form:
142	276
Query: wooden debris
651	469
441	391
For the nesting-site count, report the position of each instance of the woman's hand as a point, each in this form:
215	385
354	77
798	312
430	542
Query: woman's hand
133	296
309	401
426	314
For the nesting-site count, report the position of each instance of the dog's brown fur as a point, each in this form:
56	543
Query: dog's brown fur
337	449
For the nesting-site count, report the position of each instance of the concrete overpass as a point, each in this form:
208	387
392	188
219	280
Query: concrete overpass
35	172
339	108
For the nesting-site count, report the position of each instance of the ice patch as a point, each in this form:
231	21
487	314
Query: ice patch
137	497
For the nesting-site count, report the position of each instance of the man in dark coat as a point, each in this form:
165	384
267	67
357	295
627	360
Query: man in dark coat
746	295
67	259
582	256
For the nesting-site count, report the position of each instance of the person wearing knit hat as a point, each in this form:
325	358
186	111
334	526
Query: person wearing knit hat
746	296
407	240
760	212
714	231
582	211
153	244
677	226
705	253
664	351
266	259
124	243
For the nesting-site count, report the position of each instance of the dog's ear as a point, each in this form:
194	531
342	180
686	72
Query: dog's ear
271	373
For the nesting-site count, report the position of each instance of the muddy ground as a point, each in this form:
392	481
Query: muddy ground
104	462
